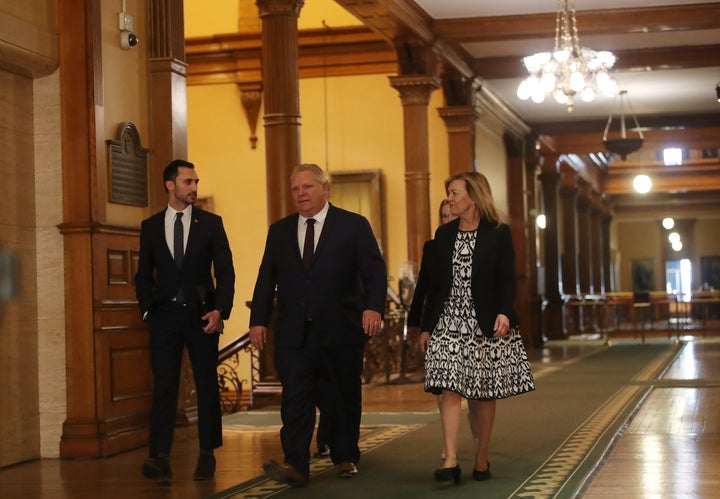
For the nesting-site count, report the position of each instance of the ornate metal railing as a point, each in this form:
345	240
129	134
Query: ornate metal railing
231	386
390	351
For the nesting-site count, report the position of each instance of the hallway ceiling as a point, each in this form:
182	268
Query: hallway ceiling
668	59
668	52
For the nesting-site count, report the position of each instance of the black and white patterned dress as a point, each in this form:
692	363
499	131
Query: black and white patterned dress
459	357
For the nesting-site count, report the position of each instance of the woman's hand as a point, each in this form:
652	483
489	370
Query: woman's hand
502	326
424	340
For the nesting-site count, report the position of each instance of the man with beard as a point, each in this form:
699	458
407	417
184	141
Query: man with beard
183	307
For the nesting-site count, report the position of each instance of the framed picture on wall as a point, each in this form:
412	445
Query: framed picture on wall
710	272
643	279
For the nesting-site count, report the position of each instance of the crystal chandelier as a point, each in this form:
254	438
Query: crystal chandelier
569	69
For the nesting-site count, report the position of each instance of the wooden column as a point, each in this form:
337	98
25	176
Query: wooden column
568	196
520	179
281	92
460	124
535	300
415	94
596	239
168	93
584	243
606	252
80	97
552	314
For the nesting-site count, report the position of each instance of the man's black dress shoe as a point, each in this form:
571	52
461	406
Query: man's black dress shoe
482	475
447	474
158	469
205	469
284	473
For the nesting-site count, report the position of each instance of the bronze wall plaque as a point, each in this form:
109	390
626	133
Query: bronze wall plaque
128	167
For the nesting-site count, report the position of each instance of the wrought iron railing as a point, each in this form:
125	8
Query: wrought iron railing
231	386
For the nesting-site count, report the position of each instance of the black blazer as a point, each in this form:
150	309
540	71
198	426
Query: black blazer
421	286
158	278
492	276
347	275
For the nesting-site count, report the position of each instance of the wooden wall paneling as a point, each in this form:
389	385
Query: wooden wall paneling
123	379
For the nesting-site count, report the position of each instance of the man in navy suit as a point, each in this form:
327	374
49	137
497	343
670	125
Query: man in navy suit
330	293
183	307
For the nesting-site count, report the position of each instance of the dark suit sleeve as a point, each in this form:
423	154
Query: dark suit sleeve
418	301
506	274
224	271
264	292
373	271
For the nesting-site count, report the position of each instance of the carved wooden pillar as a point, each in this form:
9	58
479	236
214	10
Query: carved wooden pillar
597	243
460	124
415	95
535	301
80	95
167	92
552	315
520	180
568	196
584	246
568	259
606	251
281	90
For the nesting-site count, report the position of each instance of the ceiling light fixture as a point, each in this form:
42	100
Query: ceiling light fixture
623	145
569	69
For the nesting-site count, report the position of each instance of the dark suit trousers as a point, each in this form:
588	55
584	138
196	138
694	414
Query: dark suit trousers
302	372
172	328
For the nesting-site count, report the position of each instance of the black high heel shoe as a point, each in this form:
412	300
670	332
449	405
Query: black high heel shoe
447	474
482	475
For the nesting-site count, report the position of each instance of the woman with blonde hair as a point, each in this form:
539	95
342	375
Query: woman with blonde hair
470	332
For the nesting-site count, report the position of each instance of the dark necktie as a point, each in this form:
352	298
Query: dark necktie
178	246
309	247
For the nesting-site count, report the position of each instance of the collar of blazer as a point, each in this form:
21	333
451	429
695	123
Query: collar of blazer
446	234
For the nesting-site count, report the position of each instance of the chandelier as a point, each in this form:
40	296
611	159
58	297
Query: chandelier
569	69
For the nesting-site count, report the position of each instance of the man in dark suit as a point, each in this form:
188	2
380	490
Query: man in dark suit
183	307
330	288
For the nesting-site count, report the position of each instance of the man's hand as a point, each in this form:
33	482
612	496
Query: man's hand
371	321
257	337
213	321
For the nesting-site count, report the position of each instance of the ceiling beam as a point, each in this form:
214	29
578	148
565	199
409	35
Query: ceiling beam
590	22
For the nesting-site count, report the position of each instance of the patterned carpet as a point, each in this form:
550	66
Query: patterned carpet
544	444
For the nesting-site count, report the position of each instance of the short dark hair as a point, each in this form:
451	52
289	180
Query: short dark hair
171	170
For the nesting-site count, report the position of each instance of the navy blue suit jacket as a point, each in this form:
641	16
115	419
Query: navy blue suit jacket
158	278
347	275
492	275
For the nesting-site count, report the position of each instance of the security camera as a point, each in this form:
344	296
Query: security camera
128	39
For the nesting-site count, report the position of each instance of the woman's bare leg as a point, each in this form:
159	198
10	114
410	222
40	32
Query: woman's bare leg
450	409
484	417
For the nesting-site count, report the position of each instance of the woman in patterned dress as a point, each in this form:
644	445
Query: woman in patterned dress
470	336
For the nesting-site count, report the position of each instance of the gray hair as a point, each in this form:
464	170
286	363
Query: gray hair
311	167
